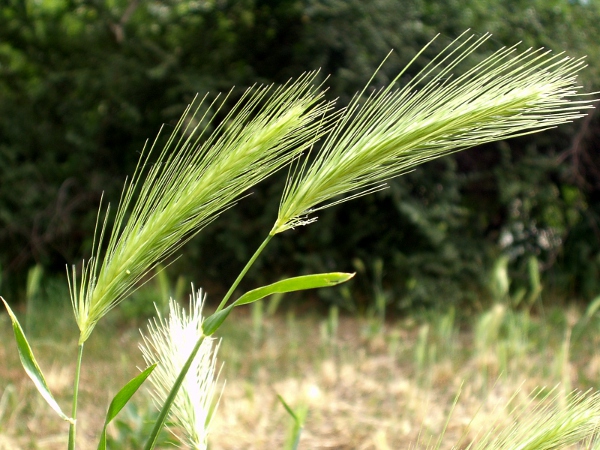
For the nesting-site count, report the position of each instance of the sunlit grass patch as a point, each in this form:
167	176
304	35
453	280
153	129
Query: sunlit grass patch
367	396
361	390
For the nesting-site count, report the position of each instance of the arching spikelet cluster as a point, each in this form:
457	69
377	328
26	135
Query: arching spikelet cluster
394	130
193	181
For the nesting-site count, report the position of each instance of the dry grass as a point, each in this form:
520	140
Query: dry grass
365	387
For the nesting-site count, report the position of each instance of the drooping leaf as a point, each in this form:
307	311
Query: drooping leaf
120	400
31	366
294	284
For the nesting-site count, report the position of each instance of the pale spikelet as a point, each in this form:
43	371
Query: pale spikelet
194	180
393	131
551	424
169	343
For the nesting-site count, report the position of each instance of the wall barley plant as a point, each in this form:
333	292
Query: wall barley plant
197	175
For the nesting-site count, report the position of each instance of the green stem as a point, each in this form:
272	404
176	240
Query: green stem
243	272
73	426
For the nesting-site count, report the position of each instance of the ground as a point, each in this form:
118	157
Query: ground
364	384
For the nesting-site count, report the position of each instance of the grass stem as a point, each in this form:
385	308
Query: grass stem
73	426
243	272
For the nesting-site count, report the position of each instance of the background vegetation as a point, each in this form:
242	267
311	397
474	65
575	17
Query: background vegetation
84	83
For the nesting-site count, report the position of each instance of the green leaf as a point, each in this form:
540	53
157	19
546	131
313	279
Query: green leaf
212	323
121	399
294	437
592	308
294	284
31	366
288	408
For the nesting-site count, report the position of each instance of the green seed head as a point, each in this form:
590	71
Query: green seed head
435	114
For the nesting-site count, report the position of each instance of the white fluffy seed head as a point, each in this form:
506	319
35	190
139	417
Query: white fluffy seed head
169	343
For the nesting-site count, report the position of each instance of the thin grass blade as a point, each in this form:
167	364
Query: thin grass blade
31	366
121	399
294	439
300	283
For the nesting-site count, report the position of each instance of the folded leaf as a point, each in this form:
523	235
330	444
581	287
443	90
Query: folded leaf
121	399
31	366
212	323
294	284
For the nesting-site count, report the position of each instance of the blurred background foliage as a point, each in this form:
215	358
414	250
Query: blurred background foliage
84	83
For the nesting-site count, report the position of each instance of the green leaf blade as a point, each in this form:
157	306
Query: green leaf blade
296	431
31	366
121	399
289	409
294	284
125	394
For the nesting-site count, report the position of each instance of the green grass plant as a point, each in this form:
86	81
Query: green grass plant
547	426
32	292
131	428
193	182
329	326
332	156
